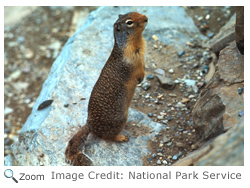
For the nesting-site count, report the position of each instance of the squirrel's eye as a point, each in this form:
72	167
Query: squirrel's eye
129	23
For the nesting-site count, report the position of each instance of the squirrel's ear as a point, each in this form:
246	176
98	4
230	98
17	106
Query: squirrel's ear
120	15
117	27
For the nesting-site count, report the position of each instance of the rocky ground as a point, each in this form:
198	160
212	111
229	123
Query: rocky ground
168	93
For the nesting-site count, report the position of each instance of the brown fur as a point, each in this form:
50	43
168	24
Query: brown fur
114	90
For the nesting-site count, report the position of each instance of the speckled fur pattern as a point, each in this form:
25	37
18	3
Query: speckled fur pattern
114	90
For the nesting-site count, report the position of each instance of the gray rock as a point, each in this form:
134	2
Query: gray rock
180	53
165	139
8	110
146	85
241	113
72	77
175	157
15	75
225	36
179	105
160	72
158	162
166	83
189	82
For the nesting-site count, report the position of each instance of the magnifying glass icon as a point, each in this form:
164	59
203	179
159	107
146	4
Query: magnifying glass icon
9	174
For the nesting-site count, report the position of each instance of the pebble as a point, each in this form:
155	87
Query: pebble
190	58
198	78
8	35
166	83
150	76
159	154
175	157
169	144
15	74
156	101
56	45
158	162
171	71
149	159
160	96
26	70
200	84
200	18
240	90
30	105
190	82
20	39
12	44
193	146
165	162
27	101
8	110
210	35
146	85
154	155
161	145
196	65
160	72
172	95
180	53
20	86
191	96
155	37
150	115
195	89
169	118
29	54
179	105
147	96
160	117
165	139
184	100
159	150
163	113
205	69
241	113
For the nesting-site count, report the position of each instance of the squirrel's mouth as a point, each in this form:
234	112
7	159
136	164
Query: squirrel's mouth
145	21
145	24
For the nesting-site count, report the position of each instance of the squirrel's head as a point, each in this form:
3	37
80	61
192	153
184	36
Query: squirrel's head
129	25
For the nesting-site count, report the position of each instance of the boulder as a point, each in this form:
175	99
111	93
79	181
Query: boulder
219	103
239	29
225	150
45	134
219	112
224	37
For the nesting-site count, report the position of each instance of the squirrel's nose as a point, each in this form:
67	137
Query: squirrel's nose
146	19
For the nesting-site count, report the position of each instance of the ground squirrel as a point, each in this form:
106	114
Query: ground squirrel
114	90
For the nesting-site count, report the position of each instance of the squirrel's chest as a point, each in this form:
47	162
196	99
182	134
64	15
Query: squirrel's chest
136	77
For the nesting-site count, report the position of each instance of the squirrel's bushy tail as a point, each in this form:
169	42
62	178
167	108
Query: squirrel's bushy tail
75	147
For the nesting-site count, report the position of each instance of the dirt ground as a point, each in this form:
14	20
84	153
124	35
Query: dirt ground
32	44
